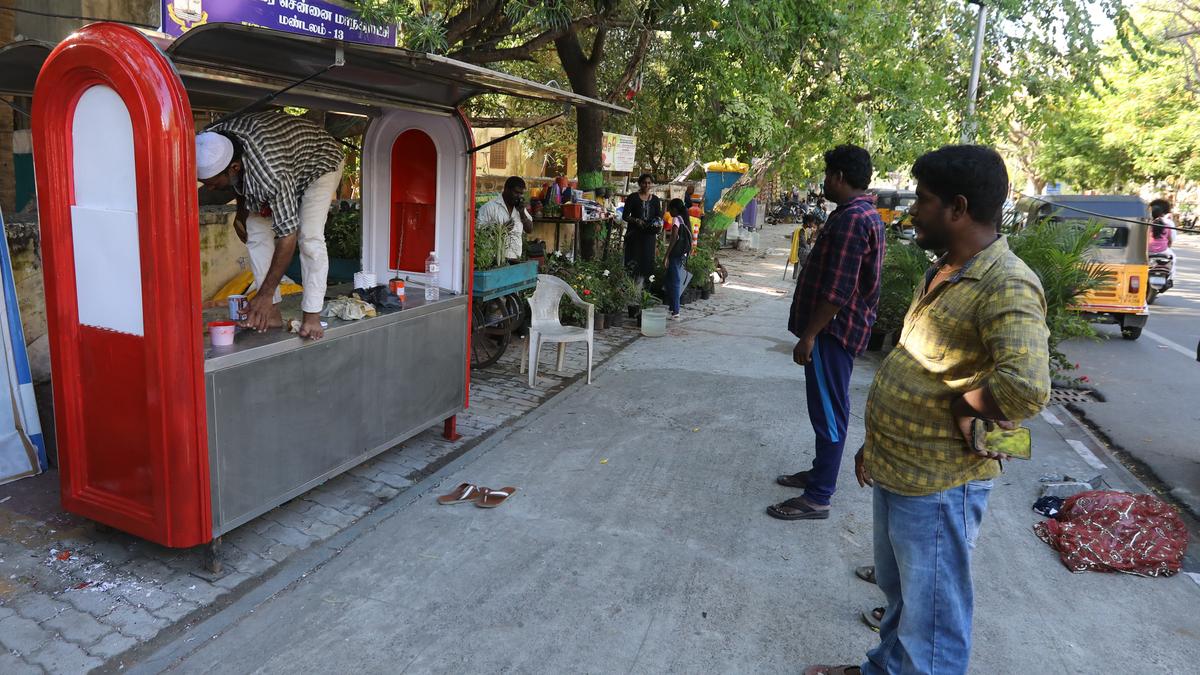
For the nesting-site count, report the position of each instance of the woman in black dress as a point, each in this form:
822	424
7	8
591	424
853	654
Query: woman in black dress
643	218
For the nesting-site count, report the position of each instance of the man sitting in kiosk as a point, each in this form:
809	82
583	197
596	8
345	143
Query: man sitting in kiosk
509	210
284	170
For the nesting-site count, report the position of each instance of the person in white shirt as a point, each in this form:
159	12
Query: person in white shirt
509	210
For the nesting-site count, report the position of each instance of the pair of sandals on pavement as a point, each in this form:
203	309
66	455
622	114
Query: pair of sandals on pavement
484	498
872	619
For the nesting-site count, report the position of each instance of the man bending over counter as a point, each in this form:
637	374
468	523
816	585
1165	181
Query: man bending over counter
284	171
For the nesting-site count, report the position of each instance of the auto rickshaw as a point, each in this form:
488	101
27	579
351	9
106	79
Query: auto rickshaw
1120	247
893	205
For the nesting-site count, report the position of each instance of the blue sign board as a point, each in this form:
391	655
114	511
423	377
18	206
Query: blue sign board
306	17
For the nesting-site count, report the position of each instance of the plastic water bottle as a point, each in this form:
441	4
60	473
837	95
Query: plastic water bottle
431	277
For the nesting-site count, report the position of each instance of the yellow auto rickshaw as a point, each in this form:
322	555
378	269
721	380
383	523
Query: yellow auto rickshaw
1120	247
893	205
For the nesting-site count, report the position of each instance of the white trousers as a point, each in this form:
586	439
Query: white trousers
314	259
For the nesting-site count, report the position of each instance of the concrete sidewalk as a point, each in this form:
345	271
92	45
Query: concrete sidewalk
638	543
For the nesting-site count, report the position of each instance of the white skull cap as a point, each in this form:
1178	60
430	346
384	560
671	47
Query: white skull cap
213	154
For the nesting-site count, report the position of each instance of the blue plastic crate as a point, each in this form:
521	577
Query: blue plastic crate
506	279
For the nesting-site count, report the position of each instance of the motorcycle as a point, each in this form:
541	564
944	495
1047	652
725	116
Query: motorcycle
1162	275
784	212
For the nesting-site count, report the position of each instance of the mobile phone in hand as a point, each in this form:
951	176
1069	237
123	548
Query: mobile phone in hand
986	436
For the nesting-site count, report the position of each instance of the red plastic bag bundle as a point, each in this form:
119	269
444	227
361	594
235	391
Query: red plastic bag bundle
1111	531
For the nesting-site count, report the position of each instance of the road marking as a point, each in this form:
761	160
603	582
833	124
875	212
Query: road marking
1051	418
1169	344
1087	455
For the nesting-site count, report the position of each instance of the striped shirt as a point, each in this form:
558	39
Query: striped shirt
281	156
984	326
843	269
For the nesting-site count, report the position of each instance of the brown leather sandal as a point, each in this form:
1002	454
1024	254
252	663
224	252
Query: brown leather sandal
493	498
465	492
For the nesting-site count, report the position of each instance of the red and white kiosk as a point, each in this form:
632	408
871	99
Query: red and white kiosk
160	434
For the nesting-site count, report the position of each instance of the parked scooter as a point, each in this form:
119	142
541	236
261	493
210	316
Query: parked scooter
1162	275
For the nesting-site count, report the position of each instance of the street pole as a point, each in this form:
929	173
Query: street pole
968	130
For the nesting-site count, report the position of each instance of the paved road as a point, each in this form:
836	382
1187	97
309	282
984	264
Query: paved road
638	544
1153	384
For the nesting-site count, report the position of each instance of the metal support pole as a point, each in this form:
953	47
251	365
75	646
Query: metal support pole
968	130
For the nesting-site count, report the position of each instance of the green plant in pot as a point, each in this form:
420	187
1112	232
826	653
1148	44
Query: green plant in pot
491	242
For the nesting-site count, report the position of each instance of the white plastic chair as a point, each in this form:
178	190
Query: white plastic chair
545	326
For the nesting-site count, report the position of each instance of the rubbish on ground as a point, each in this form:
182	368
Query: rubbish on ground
1110	531
1064	489
604	461
1048	506
63	555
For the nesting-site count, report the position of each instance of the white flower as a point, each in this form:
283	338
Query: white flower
651	277
606	272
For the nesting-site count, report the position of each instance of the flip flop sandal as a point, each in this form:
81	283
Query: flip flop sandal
833	670
796	509
794	480
873	618
866	573
493	498
465	492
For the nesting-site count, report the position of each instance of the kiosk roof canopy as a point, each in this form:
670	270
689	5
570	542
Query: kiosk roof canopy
225	66
20	63
371	74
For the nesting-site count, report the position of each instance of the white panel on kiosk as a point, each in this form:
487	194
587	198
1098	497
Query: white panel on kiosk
450	140
104	224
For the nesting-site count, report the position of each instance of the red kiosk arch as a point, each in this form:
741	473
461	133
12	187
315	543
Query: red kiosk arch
128	370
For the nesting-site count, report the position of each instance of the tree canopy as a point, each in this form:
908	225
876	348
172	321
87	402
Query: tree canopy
1138	123
743	77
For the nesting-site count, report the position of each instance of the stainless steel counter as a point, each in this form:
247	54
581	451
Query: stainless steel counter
286	414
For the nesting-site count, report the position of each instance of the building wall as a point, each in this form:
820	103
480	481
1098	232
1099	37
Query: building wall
512	157
222	256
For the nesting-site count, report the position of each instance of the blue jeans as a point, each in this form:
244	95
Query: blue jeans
827	388
923	551
674	282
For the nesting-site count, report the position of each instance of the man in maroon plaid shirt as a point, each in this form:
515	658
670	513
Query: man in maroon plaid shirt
832	313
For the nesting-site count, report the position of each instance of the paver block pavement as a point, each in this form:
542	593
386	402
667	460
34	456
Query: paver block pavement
11	664
78	627
194	589
134	621
60	656
232	580
38	607
22	635
175	611
111	645
288	535
91	601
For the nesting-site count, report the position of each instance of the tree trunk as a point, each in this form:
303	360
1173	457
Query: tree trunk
581	72
1039	184
588	155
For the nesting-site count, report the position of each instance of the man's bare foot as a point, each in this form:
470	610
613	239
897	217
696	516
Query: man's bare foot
311	327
